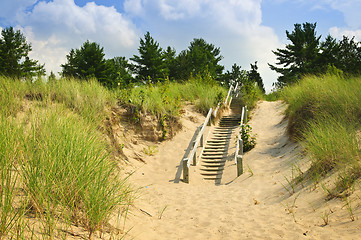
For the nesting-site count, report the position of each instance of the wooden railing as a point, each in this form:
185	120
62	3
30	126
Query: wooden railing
199	141
238	156
196	143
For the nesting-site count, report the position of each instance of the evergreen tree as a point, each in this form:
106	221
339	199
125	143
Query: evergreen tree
119	72
170	62
14	59
203	58
150	62
330	50
254	76
300	57
236	75
349	56
87	62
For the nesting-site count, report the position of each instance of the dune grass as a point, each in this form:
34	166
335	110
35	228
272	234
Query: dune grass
54	162
324	114
167	98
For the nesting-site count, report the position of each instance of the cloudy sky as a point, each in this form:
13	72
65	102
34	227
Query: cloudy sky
245	30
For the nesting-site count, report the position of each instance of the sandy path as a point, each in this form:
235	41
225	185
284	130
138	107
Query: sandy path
250	207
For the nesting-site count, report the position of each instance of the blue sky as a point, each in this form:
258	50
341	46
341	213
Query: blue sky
245	30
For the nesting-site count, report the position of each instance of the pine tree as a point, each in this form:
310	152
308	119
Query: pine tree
300	57
87	62
150	62
254	76
14	59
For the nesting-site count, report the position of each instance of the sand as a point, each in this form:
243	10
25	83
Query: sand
255	205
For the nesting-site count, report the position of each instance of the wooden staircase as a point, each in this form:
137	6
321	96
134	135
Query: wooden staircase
216	149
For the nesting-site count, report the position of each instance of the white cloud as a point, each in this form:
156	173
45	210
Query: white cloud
340	32
134	7
233	25
53	28
10	10
350	10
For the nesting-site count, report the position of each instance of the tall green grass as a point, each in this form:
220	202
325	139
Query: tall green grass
324	114
167	98
8	154
54	162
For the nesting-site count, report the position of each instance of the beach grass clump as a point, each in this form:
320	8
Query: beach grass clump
55	164
324	113
317	96
167	98
9	149
65	166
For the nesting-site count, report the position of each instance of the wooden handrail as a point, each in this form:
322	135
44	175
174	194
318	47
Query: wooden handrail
228	94
238	156
199	139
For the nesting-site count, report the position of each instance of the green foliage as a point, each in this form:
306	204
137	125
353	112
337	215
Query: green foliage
307	55
251	93
54	163
165	98
299	57
236	74
14	59
201	58
119	74
254	76
324	115
55	152
87	62
150	62
273	96
9	150
249	140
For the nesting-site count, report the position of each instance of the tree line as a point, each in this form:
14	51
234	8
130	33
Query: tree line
152	64
306	54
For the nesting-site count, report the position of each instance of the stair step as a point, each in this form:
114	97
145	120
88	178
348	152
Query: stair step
215	174
214	161
220	138
216	177
212	169
212	150
218	165
217	157
213	154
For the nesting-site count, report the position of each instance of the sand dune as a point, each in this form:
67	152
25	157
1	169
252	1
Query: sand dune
255	205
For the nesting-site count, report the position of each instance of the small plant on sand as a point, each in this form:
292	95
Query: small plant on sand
290	208
290	182
150	150
249	140
162	211
325	216
250	170
349	208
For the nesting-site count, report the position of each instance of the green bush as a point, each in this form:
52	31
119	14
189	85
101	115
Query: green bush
249	140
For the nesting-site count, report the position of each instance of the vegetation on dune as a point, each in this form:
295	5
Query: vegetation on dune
168	98
54	160
324	113
56	165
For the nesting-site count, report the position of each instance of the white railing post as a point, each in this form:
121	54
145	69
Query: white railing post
238	158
